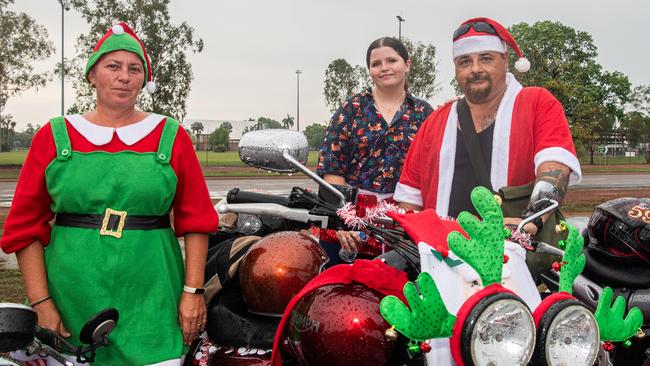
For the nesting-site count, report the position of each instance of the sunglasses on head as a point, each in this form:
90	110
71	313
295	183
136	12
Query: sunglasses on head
482	27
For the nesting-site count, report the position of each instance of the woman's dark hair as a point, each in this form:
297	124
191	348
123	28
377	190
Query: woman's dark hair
391	42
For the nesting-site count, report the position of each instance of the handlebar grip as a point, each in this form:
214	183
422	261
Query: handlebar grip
48	337
56	342
236	195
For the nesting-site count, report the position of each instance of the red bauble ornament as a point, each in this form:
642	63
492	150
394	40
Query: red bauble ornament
608	346
425	347
556	266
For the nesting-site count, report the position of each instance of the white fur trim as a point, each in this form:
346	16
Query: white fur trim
563	156
501	137
174	362
406	194
447	162
522	65
117	29
101	135
473	44
150	87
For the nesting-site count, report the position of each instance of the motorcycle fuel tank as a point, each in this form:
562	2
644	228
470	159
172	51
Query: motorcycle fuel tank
276	268
339	325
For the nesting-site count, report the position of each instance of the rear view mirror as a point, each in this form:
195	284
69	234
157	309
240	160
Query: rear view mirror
264	149
99	326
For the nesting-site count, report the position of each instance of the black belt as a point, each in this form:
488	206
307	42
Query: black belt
112	222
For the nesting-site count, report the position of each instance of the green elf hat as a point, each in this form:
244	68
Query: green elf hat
122	37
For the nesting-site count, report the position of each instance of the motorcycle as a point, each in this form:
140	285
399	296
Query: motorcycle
306	343
243	315
20	333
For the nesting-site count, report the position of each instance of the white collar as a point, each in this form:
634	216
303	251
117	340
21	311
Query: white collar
101	135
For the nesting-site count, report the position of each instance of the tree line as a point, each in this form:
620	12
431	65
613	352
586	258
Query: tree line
597	102
219	139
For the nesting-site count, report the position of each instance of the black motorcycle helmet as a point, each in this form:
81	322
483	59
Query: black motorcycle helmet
621	228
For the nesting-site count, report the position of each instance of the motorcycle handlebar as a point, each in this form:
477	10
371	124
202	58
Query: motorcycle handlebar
236	195
47	337
272	209
52	345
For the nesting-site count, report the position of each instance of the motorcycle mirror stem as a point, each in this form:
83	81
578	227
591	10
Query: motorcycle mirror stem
321	182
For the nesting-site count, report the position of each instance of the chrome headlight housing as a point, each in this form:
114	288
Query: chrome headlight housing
248	224
499	330
567	335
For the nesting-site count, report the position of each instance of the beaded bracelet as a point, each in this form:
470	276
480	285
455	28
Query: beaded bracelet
40	301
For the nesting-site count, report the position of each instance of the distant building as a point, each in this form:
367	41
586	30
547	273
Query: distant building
209	125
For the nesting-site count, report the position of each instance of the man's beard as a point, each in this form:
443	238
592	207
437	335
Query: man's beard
477	95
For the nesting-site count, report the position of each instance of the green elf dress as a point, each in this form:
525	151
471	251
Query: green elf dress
128	180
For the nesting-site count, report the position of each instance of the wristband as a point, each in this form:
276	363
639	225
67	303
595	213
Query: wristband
40	301
193	290
539	223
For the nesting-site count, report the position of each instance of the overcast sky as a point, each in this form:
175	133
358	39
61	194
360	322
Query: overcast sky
253	48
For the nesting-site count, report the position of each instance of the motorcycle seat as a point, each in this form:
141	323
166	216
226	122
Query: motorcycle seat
230	323
607	270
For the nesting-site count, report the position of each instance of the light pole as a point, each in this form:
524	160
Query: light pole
298	72
399	21
64	7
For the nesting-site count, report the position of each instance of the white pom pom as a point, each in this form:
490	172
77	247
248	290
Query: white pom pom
522	65
151	87
117	29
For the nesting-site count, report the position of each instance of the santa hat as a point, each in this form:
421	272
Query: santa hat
122	37
490	36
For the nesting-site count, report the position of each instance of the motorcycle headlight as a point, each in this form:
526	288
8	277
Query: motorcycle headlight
500	330
568	333
248	224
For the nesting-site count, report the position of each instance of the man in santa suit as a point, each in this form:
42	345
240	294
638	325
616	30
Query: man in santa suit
523	133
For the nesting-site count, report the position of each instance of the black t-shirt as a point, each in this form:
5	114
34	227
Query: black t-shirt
464	178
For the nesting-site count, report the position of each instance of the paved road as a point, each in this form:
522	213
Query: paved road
219	187
284	185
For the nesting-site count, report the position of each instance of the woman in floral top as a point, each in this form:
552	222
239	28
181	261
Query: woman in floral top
369	135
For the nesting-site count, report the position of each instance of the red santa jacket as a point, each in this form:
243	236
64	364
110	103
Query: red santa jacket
530	129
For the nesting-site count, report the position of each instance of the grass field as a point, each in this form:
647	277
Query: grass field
229	158
608	160
13	157
11	286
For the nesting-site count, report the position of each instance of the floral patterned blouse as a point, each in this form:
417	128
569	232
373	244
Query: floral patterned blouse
361	146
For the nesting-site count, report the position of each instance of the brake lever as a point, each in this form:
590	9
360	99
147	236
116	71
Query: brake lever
553	205
541	247
49	343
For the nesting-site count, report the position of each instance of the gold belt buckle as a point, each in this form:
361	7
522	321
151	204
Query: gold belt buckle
107	215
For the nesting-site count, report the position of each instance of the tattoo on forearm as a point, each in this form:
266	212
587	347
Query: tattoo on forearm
551	184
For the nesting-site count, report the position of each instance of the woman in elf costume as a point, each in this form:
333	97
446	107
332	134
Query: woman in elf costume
110	178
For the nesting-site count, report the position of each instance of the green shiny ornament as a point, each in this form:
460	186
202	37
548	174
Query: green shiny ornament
414	348
627	343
